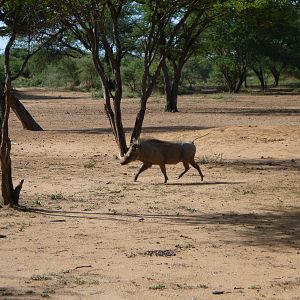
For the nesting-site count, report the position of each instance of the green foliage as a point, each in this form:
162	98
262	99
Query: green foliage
254	34
132	72
87	75
196	72
50	68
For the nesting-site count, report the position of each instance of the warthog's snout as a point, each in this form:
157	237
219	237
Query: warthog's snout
156	152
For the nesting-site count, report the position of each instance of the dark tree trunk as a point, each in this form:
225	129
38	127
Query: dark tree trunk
245	81
137	129
261	77
171	87
23	115
28	122
276	72
167	87
174	93
241	79
234	78
9	193
113	114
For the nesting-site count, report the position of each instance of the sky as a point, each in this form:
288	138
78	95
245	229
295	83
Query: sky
3	42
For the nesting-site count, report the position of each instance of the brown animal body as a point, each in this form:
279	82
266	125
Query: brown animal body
155	152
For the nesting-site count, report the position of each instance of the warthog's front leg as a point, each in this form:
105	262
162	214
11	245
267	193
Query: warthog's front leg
163	169
143	168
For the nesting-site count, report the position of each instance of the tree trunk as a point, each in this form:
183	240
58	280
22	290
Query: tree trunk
234	78
9	193
115	120
276	73
21	112
241	79
167	87
7	187
174	92
137	129
114	115
23	115
229	80
245	81
261	77
171	88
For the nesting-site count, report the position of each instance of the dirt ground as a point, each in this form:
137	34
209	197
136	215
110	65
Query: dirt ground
90	232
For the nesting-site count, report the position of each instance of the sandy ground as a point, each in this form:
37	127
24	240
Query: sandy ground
90	232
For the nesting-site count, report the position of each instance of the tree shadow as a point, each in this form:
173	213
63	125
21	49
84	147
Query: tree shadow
18	293
272	229
21	95
264	164
249	111
203	183
146	129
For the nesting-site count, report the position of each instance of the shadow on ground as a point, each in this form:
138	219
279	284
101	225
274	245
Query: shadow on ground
263	164
40	97
270	229
249	111
146	129
19	293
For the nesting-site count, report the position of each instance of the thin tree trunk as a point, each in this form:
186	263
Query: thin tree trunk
175	87
241	79
28	122
260	75
137	129
245	80
171	88
114	116
23	115
167	87
276	73
9	194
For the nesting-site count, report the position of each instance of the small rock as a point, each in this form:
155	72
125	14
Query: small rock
293	160
218	292
2	236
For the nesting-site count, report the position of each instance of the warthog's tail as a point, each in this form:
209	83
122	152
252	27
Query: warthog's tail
200	137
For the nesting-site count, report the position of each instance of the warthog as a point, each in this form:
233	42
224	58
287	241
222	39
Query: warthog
155	152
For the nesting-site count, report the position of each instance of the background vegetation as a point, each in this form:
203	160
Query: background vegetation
263	42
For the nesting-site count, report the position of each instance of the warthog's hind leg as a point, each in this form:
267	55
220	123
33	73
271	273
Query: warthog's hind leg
143	168
196	166
186	168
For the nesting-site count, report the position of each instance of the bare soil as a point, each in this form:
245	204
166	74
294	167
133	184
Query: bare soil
90	232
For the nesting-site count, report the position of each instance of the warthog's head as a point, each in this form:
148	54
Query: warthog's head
132	153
